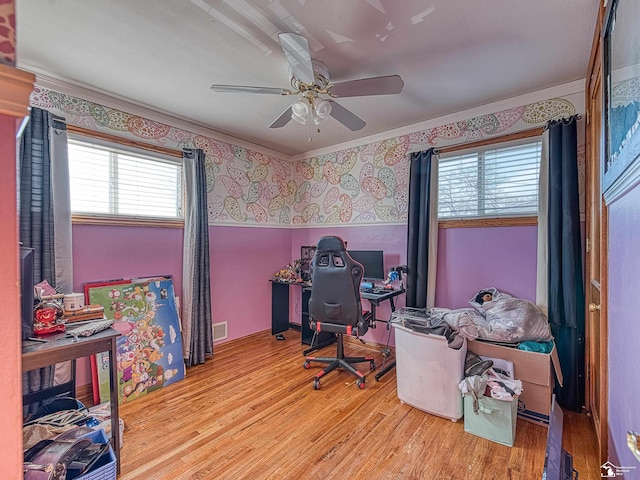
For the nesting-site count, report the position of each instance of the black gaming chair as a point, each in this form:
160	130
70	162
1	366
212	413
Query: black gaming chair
335	306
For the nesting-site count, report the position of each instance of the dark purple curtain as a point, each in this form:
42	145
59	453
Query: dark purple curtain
566	282
196	253
35	204
418	228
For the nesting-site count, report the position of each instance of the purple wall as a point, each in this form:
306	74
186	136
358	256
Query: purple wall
243	259
242	262
624	327
470	259
109	252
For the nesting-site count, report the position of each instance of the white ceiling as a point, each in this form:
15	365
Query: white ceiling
453	55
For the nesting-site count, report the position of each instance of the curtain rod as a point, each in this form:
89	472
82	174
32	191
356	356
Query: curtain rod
488	141
578	117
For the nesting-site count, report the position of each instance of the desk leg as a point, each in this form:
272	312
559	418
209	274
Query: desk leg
372	322
115	416
279	307
391	365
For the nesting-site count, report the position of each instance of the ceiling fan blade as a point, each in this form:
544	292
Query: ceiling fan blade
346	117
368	86
247	89
296	49
282	120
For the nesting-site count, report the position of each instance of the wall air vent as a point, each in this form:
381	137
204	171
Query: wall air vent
219	331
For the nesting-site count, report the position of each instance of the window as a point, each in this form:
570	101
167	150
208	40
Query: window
109	180
493	181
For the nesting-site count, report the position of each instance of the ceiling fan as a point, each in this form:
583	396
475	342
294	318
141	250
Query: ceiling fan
310	79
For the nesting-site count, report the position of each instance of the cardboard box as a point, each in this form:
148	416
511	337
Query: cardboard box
535	370
495	419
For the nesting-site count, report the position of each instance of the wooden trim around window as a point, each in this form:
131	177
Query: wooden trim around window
124	141
534	132
125	221
489	222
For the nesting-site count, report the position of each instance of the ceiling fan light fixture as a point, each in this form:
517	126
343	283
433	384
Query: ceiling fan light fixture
310	78
300	111
321	111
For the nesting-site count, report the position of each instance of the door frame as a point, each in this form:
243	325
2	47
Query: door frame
595	206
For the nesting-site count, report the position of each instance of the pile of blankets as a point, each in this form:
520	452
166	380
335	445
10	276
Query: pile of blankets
498	317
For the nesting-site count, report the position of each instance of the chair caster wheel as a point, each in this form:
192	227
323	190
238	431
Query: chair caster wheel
372	365
361	384
316	384
307	365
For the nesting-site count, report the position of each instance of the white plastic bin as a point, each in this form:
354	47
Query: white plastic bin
428	372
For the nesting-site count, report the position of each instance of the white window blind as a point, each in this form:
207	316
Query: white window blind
108	180
495	181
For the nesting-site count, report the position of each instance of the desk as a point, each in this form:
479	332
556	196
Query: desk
375	299
61	349
280	315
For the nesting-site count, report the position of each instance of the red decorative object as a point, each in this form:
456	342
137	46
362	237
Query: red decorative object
48	318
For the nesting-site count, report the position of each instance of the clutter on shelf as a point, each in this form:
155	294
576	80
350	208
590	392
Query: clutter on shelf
290	273
53	312
47	317
87	312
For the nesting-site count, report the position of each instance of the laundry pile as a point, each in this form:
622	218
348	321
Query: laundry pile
498	317
482	380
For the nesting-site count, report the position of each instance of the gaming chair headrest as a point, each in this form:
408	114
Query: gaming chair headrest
332	244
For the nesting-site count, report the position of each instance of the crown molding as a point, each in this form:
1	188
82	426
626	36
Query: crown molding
109	100
571	88
15	87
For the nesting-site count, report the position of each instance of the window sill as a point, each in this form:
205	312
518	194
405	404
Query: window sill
489	222
126	221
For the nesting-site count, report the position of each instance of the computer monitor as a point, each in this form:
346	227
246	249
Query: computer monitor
372	261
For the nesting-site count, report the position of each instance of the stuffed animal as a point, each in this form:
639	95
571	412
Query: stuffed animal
483	296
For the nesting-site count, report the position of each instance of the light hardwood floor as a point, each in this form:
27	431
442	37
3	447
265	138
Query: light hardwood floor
251	413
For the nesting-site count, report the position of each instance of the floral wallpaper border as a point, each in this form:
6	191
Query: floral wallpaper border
363	185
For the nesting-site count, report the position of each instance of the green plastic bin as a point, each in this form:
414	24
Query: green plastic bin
495	419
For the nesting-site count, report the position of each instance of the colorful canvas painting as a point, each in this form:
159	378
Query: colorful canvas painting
149	352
